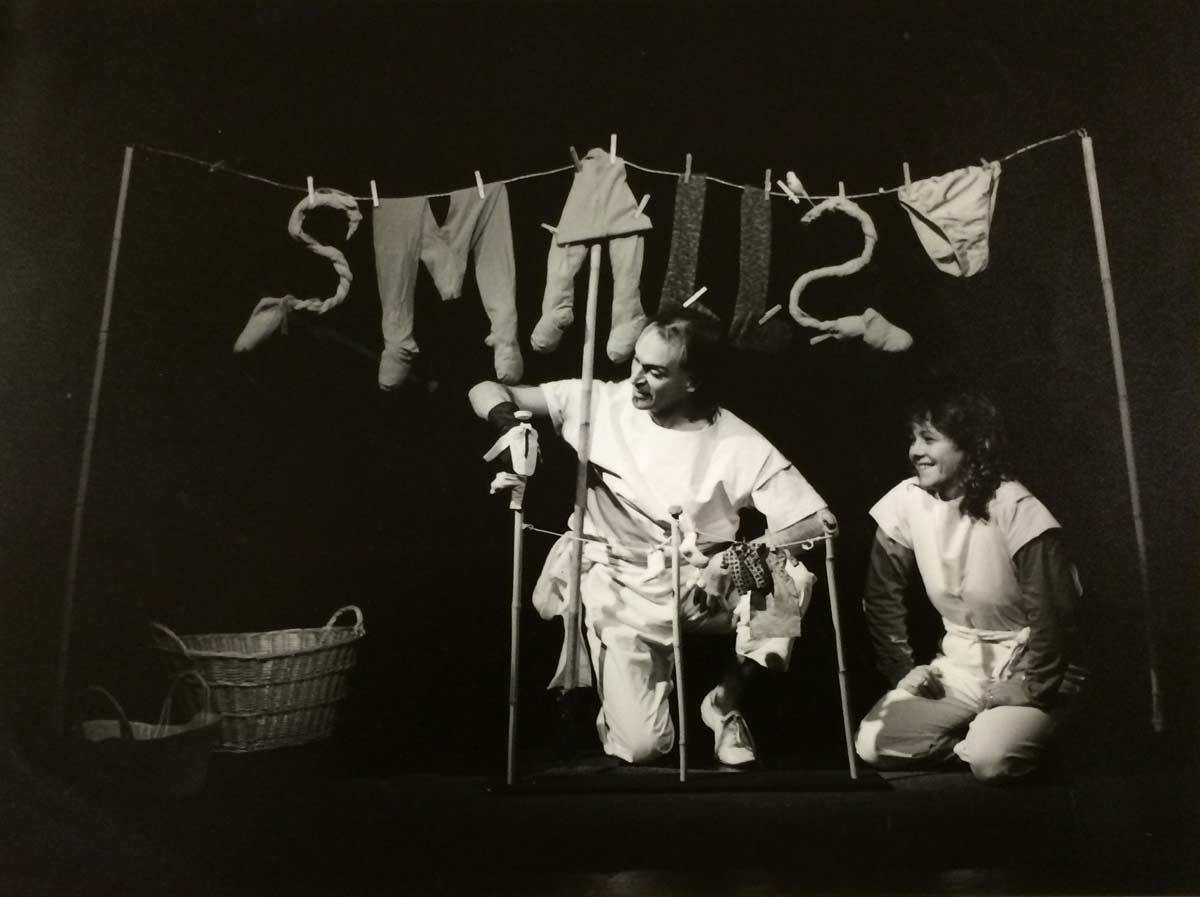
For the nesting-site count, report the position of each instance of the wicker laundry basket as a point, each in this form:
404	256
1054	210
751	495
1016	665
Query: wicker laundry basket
272	689
162	759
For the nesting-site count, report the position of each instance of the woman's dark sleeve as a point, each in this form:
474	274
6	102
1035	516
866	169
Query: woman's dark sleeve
890	569
1049	590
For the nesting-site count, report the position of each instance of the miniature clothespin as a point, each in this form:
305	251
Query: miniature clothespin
374	195
687	168
612	147
479	184
550	227
770	313
787	191
696	295
841	189
575	159
767	185
312	197
642	204
907	175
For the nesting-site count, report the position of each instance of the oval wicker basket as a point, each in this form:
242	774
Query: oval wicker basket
272	689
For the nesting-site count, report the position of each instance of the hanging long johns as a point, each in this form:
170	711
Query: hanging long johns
873	328
270	314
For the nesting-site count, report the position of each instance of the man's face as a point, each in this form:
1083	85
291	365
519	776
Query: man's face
660	383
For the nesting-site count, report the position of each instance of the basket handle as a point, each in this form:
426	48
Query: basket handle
358	622
126	729
164	715
159	627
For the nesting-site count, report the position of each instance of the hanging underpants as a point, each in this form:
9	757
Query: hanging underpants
600	206
405	232
952	214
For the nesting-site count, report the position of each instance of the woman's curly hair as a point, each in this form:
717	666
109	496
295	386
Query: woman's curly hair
973	421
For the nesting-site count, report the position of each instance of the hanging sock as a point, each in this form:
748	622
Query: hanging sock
680	280
600	206
876	331
754	268
952	215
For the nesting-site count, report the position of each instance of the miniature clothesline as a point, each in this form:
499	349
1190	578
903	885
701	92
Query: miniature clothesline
221	166
808	544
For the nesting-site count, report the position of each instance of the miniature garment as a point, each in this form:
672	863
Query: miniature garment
680	280
406	233
952	215
754	268
599	206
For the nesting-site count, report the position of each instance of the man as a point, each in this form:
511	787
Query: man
659	439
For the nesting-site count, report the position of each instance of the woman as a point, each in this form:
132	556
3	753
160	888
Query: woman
992	561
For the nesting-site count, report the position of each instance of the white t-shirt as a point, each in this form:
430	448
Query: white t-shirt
711	473
966	564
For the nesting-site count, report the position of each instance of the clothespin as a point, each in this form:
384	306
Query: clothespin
767	185
687	168
841	189
575	159
550	227
696	295
612	148
374	195
787	191
312	197
642	204
907	175
770	313
479	184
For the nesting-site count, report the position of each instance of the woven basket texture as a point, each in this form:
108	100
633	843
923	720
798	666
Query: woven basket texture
273	689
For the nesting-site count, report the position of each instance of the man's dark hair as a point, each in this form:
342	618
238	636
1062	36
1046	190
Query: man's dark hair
973	421
701	339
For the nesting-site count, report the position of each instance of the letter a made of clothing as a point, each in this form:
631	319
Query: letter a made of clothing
405	232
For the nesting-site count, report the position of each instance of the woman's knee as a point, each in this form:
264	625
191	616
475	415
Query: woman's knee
649	746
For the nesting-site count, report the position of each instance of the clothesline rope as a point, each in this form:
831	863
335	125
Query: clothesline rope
221	166
808	544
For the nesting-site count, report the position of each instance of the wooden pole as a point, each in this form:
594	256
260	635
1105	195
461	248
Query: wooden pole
835	615
677	639
89	439
571	617
517	505
1114	340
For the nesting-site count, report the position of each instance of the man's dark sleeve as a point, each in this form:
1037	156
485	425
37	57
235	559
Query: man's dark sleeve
890	569
1049	591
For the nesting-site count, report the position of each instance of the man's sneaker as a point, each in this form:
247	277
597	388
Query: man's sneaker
733	741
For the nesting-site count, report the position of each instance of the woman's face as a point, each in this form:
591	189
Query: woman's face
938	461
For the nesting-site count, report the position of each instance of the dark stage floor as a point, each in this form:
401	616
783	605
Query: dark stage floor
296	822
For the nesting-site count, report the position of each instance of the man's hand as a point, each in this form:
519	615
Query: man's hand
924	682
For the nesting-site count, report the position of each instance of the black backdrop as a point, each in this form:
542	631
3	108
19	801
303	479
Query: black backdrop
265	491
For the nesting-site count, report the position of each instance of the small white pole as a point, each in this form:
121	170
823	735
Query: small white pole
571	616
835	615
676	642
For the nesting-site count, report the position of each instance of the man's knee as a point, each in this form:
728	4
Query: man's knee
866	742
647	747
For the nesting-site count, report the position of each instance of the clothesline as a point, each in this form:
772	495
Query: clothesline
222	167
807	544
